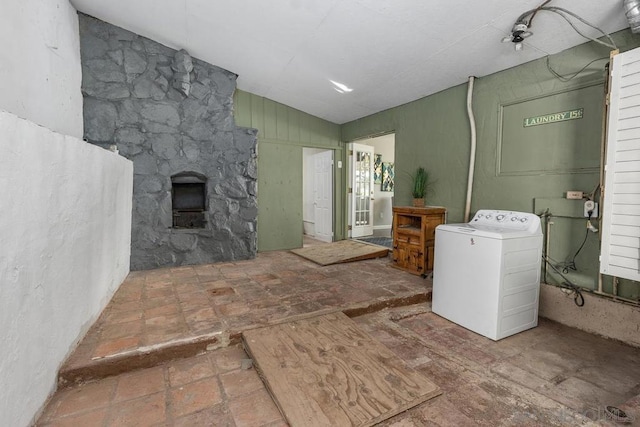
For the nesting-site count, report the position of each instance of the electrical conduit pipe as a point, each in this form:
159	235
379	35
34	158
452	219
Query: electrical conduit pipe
472	155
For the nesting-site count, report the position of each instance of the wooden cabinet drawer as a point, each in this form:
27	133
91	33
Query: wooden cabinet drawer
408	239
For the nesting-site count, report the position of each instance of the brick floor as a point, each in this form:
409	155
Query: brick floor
212	304
549	375
206	390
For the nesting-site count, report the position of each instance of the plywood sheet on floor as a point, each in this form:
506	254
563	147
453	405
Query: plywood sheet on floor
326	371
341	251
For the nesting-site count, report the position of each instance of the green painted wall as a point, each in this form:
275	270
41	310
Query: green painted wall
282	133
434	132
279	216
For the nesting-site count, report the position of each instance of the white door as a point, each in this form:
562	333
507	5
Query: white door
362	191
323	195
620	247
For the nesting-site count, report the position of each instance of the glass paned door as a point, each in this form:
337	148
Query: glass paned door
362	191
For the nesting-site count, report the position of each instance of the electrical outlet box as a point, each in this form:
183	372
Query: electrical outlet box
590	206
574	195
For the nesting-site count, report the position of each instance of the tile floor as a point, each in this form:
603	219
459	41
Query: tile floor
550	375
210	389
177	312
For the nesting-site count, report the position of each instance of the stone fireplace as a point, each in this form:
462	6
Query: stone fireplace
195	191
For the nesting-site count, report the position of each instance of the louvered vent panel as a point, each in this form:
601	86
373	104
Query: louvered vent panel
620	253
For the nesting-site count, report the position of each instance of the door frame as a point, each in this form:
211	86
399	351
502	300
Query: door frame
346	211
355	229
328	184
332	186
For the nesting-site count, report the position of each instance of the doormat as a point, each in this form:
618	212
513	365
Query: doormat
341	251
326	371
381	241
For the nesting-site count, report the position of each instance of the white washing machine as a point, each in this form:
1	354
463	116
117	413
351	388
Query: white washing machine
486	274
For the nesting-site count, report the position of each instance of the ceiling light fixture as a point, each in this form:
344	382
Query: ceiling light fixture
519	32
340	87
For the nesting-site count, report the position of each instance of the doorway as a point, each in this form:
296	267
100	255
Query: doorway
369	210
317	193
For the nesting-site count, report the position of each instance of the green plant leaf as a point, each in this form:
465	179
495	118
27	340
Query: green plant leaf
420	183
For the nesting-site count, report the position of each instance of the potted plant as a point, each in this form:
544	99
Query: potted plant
420	186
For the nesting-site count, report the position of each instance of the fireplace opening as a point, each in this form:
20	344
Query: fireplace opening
188	198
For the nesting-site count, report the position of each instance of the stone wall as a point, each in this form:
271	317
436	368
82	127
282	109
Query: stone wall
170	113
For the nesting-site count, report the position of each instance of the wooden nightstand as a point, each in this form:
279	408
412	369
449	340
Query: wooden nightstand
414	237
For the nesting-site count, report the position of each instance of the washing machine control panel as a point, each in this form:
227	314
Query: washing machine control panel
507	220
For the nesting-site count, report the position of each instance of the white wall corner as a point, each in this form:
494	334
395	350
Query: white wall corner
66	238
40	71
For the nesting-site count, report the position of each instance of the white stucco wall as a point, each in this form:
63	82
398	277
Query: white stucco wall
40	71
65	228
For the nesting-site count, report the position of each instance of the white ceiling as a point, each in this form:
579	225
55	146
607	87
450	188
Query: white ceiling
388	51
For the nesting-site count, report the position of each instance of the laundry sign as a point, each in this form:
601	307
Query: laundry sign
554	118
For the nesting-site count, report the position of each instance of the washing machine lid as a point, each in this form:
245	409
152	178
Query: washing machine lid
497	224
487	231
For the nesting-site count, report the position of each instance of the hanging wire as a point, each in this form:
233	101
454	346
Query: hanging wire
578	298
568	77
592	195
563	13
535	12
571	264
560	11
